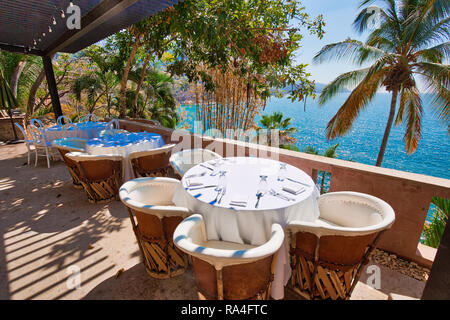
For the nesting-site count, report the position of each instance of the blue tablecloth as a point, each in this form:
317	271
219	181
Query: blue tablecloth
86	130
125	139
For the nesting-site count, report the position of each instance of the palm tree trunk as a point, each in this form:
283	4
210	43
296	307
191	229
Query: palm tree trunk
388	128
139	85
126	71
33	91
15	77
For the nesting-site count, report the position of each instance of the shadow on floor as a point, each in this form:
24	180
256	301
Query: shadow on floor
136	284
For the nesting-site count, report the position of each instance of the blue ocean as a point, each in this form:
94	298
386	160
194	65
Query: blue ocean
362	142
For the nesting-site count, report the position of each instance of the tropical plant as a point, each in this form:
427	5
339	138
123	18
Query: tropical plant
329	153
7	100
276	121
412	41
433	231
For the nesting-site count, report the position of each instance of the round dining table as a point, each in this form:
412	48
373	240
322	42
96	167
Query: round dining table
122	144
86	130
240	198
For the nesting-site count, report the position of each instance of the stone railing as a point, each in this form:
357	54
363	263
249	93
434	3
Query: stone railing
408	193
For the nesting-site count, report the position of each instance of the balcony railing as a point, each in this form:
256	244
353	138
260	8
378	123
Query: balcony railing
409	194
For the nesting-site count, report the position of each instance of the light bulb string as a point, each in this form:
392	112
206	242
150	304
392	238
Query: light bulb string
53	22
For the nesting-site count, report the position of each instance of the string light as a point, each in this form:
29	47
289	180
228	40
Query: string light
34	41
49	29
54	21
43	34
62	14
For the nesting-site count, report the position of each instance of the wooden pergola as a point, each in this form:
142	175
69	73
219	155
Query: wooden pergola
25	27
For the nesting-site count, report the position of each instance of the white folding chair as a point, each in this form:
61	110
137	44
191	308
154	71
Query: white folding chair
28	141
89	117
60	120
40	144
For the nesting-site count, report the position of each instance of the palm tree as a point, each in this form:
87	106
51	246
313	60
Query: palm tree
7	100
276	121
433	231
92	85
411	41
329	153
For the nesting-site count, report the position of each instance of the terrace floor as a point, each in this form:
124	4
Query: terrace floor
48	229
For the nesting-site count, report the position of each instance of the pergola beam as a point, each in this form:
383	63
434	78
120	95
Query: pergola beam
52	88
17	49
103	12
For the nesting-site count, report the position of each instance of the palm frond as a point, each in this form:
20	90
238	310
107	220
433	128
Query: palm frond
348	50
343	81
437	80
413	114
358	99
436	54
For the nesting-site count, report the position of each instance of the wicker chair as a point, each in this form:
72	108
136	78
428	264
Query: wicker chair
100	175
149	200
226	270
182	161
65	146
152	163
327	256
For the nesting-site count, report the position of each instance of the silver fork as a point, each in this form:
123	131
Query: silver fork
224	190
279	195
196	175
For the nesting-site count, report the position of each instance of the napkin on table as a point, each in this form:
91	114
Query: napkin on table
193	183
239	200
293	188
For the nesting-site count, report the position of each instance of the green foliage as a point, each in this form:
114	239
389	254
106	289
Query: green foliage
276	121
432	232
7	100
291	147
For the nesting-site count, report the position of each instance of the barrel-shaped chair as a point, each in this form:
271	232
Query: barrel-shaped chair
327	255
183	160
65	146
152	163
100	175
154	218
227	270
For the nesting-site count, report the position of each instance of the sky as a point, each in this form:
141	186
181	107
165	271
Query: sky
338	16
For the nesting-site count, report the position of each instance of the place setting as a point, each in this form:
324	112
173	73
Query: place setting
240	185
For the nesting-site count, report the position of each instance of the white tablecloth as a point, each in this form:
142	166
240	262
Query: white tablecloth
123	144
249	225
86	130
